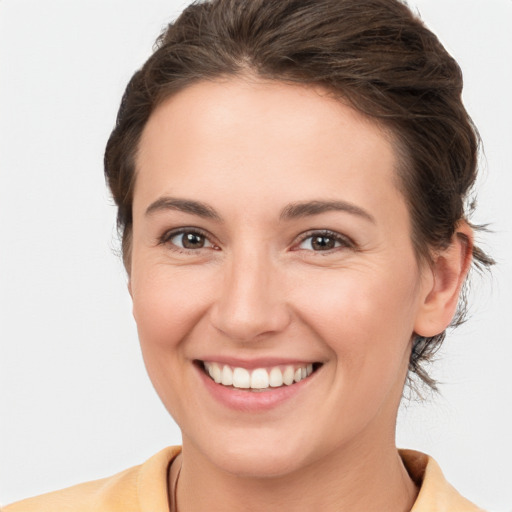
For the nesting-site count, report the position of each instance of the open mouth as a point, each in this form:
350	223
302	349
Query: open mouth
257	379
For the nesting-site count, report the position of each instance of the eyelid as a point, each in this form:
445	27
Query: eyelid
344	240
171	233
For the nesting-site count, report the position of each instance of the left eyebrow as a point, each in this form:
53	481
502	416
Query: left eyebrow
184	205
308	208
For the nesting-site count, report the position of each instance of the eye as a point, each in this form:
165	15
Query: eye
323	241
187	239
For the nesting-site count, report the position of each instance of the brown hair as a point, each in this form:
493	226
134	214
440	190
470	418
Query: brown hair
374	55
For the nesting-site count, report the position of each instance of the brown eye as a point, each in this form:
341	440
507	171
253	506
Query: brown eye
192	240
324	241
188	240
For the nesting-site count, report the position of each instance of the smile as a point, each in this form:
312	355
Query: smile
258	378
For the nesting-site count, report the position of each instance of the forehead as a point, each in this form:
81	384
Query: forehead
265	138
248	104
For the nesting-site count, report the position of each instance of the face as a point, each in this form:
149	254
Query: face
272	249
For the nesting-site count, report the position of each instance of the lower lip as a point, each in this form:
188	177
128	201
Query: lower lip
253	401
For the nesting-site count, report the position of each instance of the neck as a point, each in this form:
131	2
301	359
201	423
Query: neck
355	480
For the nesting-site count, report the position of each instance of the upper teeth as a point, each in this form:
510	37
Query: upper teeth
259	378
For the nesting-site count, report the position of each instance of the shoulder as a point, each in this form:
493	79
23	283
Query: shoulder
142	487
435	491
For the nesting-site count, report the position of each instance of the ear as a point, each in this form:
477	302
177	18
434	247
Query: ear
442	288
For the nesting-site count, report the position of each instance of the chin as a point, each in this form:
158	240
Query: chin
259	453
266	462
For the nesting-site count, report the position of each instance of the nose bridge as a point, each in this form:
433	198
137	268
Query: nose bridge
251	301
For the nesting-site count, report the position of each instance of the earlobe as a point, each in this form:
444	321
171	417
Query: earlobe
449	270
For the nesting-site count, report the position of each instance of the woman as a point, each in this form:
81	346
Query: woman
291	180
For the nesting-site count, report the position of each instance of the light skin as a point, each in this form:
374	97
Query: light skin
301	252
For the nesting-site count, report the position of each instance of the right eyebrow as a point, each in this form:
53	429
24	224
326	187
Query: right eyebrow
183	205
310	208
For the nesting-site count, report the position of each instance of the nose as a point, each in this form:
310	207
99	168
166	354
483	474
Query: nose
251	302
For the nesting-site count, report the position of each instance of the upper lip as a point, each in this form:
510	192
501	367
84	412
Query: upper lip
260	362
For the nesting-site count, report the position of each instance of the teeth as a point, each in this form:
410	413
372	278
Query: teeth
216	374
275	378
241	378
288	375
227	376
259	378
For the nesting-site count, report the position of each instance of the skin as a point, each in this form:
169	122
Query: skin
258	289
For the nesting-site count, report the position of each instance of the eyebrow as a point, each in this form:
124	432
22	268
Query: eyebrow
183	205
291	211
307	208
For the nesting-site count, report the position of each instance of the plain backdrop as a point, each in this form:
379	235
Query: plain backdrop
75	402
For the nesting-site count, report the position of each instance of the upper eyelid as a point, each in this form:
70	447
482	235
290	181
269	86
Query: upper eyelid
325	232
170	233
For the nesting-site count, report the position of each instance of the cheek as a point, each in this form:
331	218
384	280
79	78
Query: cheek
365	317
167	307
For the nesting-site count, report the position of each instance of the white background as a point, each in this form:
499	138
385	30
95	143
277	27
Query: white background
75	402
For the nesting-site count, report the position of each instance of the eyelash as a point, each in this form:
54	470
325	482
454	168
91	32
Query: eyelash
343	241
168	235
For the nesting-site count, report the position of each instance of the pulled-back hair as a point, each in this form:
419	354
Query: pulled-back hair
374	55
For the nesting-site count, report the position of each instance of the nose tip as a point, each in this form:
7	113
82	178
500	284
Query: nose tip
246	324
250	304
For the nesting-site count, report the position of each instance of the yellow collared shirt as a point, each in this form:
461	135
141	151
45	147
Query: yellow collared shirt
144	489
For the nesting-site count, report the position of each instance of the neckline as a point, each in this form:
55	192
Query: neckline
173	476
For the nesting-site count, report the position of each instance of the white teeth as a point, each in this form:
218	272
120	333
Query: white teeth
241	378
275	378
259	378
227	376
215	373
288	375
